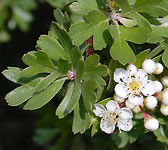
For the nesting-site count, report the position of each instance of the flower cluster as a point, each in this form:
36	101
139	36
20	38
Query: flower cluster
134	89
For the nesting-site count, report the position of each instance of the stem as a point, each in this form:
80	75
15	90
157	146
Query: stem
143	111
90	50
121	105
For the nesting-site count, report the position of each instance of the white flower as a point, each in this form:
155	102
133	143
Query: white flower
151	102
165	97
164	109
151	123
149	66
165	81
113	116
159	86
159	68
133	87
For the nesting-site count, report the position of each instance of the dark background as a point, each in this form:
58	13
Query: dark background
17	125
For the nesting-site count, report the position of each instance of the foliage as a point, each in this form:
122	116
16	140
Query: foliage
78	57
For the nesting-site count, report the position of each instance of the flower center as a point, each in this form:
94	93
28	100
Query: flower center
134	85
112	117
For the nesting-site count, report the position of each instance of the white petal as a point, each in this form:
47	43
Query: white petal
120	75
149	88
121	90
141	75
100	110
136	99
125	113
149	66
118	98
112	106
132	69
129	105
106	126
125	125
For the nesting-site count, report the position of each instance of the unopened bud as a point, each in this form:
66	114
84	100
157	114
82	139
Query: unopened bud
149	66
151	123
159	68
165	81
164	109
129	105
165	97
150	102
159	86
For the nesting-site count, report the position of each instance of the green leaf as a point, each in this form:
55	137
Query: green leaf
140	20
92	67
52	47
165	57
121	139
82	119
12	74
62	36
88	94
62	19
136	35
96	26
121	51
41	61
63	66
84	7
156	51
112	66
40	99
161	134
125	6
141	57
22	93
95	128
45	82
19	95
80	70
70	100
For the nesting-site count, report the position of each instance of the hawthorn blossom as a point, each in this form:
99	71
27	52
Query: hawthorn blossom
113	116
133	84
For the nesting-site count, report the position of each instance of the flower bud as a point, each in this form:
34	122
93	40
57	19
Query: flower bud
165	97
159	86
132	69
118	98
149	66
159	68
150	102
164	109
165	81
129	105
151	123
